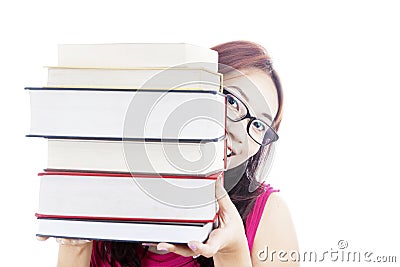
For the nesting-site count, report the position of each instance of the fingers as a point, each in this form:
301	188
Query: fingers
224	201
183	250
217	237
72	242
193	248
42	238
207	250
196	248
66	241
219	188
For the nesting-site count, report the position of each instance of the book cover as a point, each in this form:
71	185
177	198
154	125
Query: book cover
127	114
125	231
139	78
135	156
127	197
138	55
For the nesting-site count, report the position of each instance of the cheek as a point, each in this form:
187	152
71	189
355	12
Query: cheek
251	147
238	129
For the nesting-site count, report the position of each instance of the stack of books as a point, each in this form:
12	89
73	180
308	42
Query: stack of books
136	142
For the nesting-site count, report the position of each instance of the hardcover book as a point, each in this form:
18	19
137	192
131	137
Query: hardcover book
202	158
137	55
127	114
125	231
127	197
136	142
150	78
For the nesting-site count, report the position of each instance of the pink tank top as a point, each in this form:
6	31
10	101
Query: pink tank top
174	260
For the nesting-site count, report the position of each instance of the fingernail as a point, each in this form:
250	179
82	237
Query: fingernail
147	244
162	249
192	246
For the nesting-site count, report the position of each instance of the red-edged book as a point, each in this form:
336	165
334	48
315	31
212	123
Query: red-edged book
127	207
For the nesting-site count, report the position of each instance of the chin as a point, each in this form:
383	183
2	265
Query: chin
233	161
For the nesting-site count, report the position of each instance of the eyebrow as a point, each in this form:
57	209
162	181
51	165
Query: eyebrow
240	91
267	116
247	99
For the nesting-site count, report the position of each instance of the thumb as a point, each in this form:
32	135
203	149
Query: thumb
42	238
224	201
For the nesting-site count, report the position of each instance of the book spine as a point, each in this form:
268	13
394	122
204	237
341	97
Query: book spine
122	219
127	114
131	175
118	196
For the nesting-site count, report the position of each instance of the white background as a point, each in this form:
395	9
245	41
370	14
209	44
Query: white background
337	158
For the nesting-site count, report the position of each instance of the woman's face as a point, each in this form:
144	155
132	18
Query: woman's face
257	91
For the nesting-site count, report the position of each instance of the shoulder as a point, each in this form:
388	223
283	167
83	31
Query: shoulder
275	231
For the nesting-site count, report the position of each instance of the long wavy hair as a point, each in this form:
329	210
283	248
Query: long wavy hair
238	55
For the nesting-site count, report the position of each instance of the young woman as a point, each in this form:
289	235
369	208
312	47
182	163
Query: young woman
254	221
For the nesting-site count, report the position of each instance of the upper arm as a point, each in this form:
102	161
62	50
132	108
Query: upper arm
275	236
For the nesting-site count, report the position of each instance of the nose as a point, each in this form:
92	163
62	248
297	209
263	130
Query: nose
236	131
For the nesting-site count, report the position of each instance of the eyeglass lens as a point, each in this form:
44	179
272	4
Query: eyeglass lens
257	129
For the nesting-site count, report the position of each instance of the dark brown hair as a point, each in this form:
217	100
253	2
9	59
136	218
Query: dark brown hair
241	55
237	55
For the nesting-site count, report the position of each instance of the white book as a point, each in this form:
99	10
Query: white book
127	114
134	156
124	231
137	55
151	78
123	197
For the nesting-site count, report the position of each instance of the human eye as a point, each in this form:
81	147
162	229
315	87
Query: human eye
260	126
232	102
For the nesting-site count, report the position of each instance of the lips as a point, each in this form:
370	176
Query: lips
229	151
229	146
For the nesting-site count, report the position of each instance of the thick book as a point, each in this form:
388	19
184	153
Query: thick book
137	55
127	114
128	197
125	231
138	157
150	78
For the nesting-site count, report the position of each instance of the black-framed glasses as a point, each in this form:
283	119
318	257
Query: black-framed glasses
257	129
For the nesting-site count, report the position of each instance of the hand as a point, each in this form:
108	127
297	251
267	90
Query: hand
228	240
72	252
66	241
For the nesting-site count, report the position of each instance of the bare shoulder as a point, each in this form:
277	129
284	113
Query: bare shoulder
275	233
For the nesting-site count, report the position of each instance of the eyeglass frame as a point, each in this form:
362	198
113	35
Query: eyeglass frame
251	119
